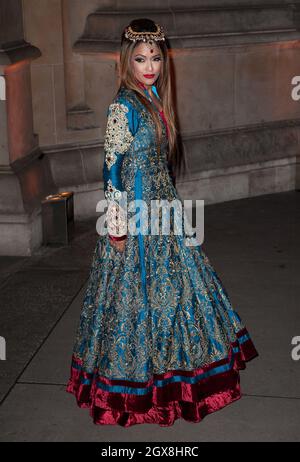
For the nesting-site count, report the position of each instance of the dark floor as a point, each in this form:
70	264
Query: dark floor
254	246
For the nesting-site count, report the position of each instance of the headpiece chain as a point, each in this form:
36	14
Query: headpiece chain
145	36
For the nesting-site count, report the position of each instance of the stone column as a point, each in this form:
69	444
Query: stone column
23	174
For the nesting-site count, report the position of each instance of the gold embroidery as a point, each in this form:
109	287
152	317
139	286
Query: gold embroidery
189	321
112	193
116	219
118	136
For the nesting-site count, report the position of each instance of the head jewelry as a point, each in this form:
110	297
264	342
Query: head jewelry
146	36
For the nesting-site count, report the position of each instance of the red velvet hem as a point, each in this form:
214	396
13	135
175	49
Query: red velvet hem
182	395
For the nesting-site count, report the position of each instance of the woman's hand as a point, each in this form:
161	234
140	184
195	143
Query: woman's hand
119	245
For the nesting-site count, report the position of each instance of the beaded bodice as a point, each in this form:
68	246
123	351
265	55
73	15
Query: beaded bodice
132	162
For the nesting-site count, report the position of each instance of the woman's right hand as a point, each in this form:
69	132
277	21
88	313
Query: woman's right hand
119	245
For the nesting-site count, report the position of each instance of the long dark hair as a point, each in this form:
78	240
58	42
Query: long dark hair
164	87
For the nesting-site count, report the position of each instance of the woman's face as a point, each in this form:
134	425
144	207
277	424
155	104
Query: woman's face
147	62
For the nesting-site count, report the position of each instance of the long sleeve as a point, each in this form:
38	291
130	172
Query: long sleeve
118	138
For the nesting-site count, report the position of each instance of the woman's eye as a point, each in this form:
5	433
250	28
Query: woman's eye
140	60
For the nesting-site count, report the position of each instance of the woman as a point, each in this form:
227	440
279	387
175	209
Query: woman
158	338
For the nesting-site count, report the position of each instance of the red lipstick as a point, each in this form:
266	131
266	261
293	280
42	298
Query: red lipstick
149	76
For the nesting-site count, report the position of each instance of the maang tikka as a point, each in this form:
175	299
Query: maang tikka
145	36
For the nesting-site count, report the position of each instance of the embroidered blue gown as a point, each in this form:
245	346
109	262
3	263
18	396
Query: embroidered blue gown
158	338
